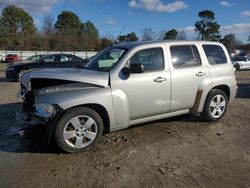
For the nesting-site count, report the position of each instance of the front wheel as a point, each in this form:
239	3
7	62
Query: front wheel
21	72
78	129
215	105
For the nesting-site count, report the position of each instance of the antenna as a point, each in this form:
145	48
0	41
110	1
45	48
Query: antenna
116	41
122	30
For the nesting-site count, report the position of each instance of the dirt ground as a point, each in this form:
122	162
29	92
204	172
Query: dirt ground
178	152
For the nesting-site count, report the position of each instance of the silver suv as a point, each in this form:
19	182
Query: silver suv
128	84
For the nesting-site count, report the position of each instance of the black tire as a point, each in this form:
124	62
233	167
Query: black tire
65	122
237	67
219	110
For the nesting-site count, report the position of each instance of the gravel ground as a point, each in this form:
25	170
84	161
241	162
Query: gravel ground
177	152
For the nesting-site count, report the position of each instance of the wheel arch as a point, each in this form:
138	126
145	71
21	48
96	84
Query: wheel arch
201	97
101	110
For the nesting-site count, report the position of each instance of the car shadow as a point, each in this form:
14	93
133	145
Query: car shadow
243	90
10	140
3	79
34	140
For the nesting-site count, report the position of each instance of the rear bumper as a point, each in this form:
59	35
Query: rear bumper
233	93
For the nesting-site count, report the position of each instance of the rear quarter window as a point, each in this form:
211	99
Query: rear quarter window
184	56
215	54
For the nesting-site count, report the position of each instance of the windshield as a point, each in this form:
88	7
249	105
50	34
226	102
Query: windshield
106	59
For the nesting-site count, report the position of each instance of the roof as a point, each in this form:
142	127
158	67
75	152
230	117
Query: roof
130	45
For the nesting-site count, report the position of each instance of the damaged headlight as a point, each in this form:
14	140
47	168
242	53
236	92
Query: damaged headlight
45	110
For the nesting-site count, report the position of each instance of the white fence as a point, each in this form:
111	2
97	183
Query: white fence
26	54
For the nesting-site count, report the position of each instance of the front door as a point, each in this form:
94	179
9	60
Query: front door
147	93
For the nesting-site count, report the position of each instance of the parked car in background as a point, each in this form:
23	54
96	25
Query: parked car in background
50	61
29	59
244	54
241	62
12	58
35	57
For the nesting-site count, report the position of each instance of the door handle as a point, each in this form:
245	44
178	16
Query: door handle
160	79
200	73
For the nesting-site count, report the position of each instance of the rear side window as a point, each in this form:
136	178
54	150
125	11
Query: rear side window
185	56
49	59
65	58
215	54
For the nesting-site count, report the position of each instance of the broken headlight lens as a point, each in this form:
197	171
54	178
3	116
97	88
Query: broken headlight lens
45	110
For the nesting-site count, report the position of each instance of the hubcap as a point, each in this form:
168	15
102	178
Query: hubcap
80	131
20	74
217	106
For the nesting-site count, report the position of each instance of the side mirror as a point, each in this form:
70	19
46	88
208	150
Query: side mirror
136	68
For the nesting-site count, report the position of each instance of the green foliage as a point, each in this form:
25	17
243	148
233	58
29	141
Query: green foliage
207	28
18	32
105	42
17	27
245	47
230	42
130	37
68	23
171	34
89	36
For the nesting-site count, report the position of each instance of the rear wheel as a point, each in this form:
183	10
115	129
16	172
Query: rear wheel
78	129
215	105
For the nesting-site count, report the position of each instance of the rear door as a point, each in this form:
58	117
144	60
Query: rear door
188	72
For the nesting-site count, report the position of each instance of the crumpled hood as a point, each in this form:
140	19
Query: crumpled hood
69	74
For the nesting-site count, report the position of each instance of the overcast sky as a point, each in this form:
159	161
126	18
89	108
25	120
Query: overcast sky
111	16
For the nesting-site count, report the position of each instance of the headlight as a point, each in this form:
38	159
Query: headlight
45	110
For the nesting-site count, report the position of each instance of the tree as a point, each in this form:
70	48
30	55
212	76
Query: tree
48	33
2	36
18	27
130	37
68	29
181	35
104	42
48	26
68	23
147	34
89	37
207	28
230	42
171	34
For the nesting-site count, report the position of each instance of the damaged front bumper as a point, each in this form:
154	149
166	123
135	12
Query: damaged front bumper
28	120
